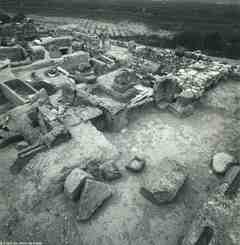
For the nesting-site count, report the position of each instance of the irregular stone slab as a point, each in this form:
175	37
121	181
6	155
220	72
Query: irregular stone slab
109	171
74	183
136	165
222	161
93	196
164	187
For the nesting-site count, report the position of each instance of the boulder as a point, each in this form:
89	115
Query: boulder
163	187
93	196
221	162
75	182
136	165
109	171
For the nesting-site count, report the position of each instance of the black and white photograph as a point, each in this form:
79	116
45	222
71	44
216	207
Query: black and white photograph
119	122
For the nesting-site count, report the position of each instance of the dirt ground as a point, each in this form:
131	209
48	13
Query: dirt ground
29	212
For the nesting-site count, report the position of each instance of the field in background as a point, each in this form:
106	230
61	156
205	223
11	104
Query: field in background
213	28
157	14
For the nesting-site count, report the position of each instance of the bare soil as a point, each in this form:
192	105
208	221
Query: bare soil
32	209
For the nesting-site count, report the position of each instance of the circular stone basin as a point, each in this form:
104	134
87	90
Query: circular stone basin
52	73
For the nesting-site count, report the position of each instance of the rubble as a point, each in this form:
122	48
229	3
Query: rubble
61	87
57	46
201	76
130	76
222	161
92	198
75	182
166	89
184	77
87	145
39	125
109	171
164	187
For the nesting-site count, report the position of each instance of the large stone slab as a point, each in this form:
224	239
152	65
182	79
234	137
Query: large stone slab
75	182
93	196
163	187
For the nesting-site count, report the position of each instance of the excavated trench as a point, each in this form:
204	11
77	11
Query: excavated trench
20	88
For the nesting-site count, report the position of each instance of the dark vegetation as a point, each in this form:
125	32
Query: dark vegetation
214	43
213	28
4	18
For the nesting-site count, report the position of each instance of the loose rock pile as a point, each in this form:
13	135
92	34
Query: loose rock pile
200	76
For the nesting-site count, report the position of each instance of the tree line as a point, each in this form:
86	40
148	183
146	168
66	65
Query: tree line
213	43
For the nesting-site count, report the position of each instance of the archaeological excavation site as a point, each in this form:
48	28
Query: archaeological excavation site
107	138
